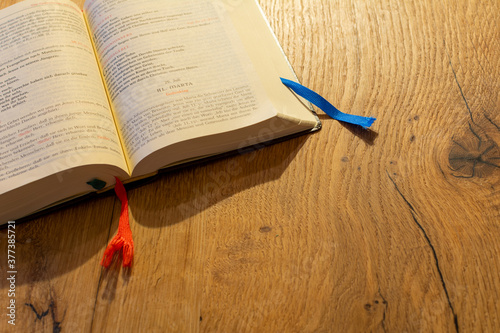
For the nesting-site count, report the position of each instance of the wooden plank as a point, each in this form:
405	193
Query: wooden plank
393	229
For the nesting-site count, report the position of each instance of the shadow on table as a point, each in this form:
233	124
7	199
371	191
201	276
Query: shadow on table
69	238
178	195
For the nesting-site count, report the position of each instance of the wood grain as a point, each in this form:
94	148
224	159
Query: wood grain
394	229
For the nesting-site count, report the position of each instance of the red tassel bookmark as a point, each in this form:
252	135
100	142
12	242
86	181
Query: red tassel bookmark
123	238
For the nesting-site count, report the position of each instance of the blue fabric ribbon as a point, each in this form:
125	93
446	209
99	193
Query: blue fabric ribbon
324	105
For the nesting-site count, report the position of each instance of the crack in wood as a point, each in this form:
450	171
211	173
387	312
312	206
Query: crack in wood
492	122
386	305
433	250
458	83
379	304
56	325
38	316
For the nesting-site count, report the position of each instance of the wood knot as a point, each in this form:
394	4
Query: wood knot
474	154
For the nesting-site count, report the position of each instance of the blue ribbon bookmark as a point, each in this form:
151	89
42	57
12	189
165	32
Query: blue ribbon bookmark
324	105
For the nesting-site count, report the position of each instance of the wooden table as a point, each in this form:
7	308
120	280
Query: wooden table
395	229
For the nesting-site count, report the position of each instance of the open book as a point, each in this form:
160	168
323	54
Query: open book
126	88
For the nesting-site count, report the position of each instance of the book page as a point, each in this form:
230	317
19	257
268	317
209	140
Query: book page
54	112
175	70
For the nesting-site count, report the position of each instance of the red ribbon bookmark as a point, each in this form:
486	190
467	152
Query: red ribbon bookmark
123	238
